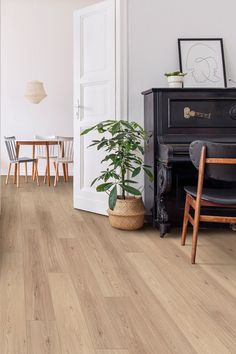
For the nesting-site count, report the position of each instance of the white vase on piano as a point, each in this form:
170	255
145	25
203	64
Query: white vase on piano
176	81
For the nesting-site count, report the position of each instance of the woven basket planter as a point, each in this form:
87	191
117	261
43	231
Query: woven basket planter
128	214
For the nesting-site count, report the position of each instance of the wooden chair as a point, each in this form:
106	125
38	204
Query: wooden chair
17	161
66	157
40	152
216	161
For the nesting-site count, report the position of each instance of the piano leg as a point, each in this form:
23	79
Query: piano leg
164	179
164	229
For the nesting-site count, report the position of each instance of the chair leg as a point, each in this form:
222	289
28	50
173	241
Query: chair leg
36	172
18	175
64	171
15	173
195	236
33	171
54	163
45	175
185	221
8	173
56	175
26	173
67	173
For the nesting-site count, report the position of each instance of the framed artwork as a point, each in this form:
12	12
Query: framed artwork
203	61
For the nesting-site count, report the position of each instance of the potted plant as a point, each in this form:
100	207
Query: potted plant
123	144
175	79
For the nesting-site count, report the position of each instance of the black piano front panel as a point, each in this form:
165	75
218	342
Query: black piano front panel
187	116
201	114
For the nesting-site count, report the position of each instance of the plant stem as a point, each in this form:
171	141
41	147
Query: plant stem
123	194
123	182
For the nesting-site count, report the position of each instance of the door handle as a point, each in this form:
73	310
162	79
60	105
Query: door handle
77	105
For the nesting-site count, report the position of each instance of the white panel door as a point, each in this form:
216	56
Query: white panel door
94	96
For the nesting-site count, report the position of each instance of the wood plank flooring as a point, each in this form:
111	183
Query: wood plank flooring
70	284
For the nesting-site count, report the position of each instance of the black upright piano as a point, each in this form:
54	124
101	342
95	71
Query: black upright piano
173	119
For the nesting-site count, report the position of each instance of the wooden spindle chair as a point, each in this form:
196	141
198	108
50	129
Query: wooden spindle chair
66	157
214	161
10	143
41	153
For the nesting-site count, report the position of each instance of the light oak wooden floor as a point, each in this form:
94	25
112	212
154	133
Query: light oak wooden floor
71	284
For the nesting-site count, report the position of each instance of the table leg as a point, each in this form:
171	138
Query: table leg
48	164
17	155
33	165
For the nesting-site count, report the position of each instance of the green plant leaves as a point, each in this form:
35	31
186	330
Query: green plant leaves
131	190
148	172
141	149
130	181
123	145
94	181
113	198
175	73
136	171
116	128
86	131
104	187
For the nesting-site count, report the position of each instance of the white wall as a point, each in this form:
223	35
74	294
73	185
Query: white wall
37	43
37	38
155	25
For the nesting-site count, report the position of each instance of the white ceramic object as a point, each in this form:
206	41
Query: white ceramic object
175	81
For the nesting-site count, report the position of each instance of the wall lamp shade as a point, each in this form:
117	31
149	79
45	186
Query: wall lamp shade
35	91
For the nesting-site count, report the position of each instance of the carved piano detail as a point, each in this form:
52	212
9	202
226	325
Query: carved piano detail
188	113
174	118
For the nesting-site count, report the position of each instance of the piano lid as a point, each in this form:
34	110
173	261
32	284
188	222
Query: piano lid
184	90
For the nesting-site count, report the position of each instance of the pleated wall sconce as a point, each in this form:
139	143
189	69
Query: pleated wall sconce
35	91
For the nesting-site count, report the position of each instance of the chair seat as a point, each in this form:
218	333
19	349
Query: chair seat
24	159
62	160
216	195
45	157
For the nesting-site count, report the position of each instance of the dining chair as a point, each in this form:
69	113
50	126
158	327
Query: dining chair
10	143
218	162
41	153
66	156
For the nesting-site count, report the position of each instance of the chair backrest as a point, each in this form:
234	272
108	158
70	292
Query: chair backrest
217	166
41	149
10	142
66	148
